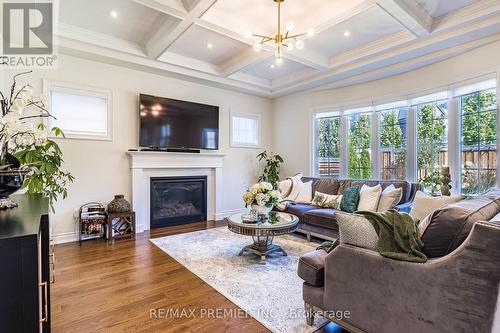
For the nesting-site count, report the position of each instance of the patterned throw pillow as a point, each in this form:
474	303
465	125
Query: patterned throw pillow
326	200
355	229
350	199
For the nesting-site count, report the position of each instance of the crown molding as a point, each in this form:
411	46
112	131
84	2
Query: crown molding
409	65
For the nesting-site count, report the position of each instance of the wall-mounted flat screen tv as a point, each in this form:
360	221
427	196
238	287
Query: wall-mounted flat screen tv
170	123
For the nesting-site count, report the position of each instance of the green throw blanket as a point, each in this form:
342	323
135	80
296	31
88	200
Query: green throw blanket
398	236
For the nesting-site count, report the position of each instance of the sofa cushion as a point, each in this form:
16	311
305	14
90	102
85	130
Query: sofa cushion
306	193
425	204
299	209
344	184
355	229
386	183
311	268
450	225
321	217
326	200
323	185
389	198
369	196
350	199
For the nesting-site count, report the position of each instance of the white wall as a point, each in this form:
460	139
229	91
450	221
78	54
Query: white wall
292	114
102	168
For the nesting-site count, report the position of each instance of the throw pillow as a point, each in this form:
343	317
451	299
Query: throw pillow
369	198
296	187
350	199
389	198
285	187
449	226
305	194
355	229
326	200
425	204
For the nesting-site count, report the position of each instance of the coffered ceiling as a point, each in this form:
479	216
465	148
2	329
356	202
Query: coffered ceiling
207	40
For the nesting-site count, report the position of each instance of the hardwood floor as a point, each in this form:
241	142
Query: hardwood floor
117	288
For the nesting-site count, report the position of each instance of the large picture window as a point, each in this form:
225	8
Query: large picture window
328	146
432	143
478	141
359	149
393	143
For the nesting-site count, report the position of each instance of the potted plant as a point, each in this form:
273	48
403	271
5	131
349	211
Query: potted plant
261	197
271	172
27	157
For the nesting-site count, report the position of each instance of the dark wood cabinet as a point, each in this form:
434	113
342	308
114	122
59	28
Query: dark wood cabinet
25	274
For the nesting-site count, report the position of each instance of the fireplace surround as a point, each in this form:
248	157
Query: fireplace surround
146	165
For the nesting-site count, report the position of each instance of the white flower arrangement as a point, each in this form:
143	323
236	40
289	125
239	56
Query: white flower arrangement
17	129
262	194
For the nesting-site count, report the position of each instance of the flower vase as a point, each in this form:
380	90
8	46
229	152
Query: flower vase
11	179
262	212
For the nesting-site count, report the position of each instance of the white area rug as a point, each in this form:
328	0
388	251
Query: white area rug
270	292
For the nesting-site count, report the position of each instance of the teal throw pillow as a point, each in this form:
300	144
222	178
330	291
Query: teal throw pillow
350	199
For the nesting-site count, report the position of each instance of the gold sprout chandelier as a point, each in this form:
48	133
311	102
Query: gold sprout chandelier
288	40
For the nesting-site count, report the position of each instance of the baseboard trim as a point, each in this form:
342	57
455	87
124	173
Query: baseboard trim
227	213
65	237
73	236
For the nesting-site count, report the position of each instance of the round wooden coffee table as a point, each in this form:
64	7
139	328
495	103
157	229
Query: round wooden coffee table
263	232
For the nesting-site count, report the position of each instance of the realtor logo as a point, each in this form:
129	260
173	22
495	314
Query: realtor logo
27	35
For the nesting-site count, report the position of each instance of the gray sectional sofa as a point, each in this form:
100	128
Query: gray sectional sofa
321	223
457	290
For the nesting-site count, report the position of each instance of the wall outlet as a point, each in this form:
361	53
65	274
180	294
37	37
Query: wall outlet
76	213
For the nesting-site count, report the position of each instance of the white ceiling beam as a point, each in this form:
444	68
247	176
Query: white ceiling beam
166	8
410	15
410	64
358	9
242	61
169	32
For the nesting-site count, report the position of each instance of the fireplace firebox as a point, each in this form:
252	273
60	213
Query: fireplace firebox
178	200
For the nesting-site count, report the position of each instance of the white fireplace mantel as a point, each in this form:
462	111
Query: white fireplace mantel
145	165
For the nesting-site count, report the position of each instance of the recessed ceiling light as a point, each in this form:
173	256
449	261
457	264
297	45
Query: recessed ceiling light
113	14
347	33
210	46
248	34
273	66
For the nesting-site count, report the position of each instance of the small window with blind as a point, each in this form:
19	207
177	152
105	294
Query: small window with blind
245	130
80	112
327	146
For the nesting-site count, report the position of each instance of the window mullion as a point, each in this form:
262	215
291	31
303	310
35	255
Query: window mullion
375	145
344	142
454	143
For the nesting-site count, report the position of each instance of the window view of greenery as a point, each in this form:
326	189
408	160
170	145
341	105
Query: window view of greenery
479	155
359	149
432	143
393	144
328	154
